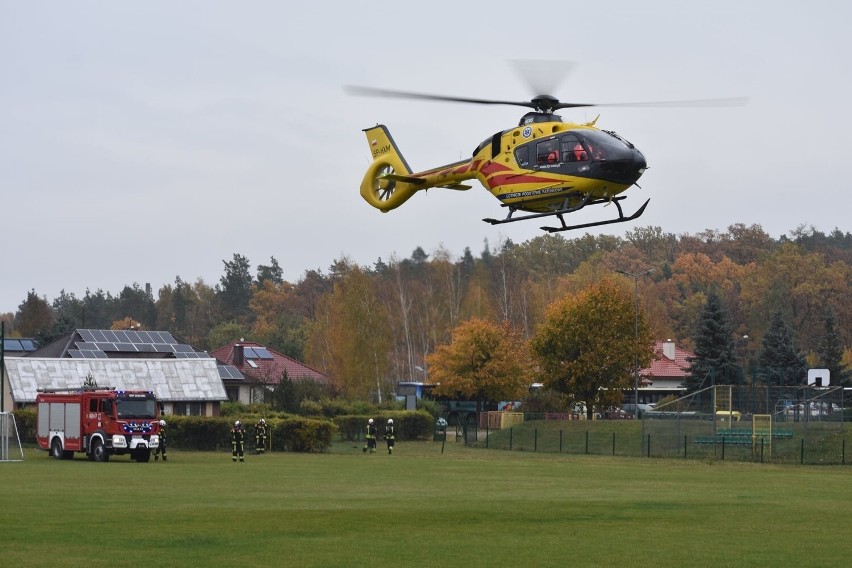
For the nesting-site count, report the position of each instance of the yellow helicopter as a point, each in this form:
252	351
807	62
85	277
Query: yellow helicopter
543	167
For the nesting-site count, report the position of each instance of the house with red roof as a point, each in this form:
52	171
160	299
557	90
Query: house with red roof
260	369
667	373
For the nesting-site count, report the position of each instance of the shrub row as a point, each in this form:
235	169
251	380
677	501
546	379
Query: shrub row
202	433
417	425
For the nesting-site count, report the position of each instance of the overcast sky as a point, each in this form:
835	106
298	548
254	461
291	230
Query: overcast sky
140	141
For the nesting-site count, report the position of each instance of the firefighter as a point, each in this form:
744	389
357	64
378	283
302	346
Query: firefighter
390	435
371	437
238	438
162	446
260	436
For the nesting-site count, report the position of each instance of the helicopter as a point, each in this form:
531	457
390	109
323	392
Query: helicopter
543	167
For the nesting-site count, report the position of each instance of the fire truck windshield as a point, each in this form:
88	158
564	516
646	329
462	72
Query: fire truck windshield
136	407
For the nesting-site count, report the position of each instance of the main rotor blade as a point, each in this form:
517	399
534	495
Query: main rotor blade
722	102
387	93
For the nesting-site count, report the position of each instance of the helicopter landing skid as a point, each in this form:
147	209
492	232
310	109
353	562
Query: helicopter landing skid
587	200
620	219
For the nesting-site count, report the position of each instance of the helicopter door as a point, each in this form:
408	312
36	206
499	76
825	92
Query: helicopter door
575	154
548	154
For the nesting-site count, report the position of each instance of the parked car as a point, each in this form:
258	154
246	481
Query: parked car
632	408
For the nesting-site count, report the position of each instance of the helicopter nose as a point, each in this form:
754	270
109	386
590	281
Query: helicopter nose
639	164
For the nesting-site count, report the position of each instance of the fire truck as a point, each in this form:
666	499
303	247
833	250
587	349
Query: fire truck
98	422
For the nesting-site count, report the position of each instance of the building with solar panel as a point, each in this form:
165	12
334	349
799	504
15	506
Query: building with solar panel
185	380
260	369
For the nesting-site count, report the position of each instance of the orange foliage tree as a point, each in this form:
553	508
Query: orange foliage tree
483	362
586	346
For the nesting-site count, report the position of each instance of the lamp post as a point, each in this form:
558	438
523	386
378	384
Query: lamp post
635	278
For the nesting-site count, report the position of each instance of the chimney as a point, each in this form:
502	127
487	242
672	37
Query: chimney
238	355
669	349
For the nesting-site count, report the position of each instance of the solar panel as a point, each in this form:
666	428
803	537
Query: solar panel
98	335
121	336
87	335
263	353
229	372
182	348
28	344
145	347
125	347
109	336
145	337
162	348
104	346
166	337
248	353
12	345
75	354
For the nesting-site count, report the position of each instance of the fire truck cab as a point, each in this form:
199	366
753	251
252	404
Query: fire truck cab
99	423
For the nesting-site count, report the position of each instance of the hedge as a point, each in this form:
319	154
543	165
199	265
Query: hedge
202	433
416	425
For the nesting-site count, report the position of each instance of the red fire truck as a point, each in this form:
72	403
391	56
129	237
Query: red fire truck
98	422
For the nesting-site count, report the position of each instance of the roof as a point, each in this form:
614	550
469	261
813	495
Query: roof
670	362
119	344
184	380
264	364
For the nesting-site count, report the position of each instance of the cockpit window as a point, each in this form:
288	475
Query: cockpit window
573	150
547	152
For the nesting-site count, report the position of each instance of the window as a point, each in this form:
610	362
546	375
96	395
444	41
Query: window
573	150
547	152
522	155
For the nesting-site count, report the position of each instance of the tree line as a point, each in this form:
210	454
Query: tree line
368	327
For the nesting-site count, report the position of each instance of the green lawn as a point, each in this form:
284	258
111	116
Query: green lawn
419	507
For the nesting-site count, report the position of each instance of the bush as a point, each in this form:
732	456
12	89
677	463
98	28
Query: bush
415	425
299	434
25	420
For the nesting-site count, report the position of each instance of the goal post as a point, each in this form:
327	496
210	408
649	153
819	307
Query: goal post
10	440
761	432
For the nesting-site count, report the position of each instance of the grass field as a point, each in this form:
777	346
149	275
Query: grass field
419	507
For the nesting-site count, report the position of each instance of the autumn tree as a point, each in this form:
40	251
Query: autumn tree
34	316
349	339
484	361
780	361
714	361
587	342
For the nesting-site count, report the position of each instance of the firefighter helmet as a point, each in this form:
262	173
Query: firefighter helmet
370	421
237	424
263	422
163	423
390	421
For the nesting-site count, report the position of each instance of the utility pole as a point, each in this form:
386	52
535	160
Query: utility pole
635	278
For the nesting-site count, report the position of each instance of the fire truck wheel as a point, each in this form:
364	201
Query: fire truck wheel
56	449
98	451
142	455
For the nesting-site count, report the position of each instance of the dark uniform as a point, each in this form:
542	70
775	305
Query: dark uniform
390	436
371	437
162	447
260	436
238	438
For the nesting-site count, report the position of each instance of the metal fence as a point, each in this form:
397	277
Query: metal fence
795	425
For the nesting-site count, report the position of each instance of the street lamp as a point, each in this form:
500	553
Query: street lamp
635	278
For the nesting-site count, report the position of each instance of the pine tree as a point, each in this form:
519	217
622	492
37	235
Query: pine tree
830	352
780	362
714	361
